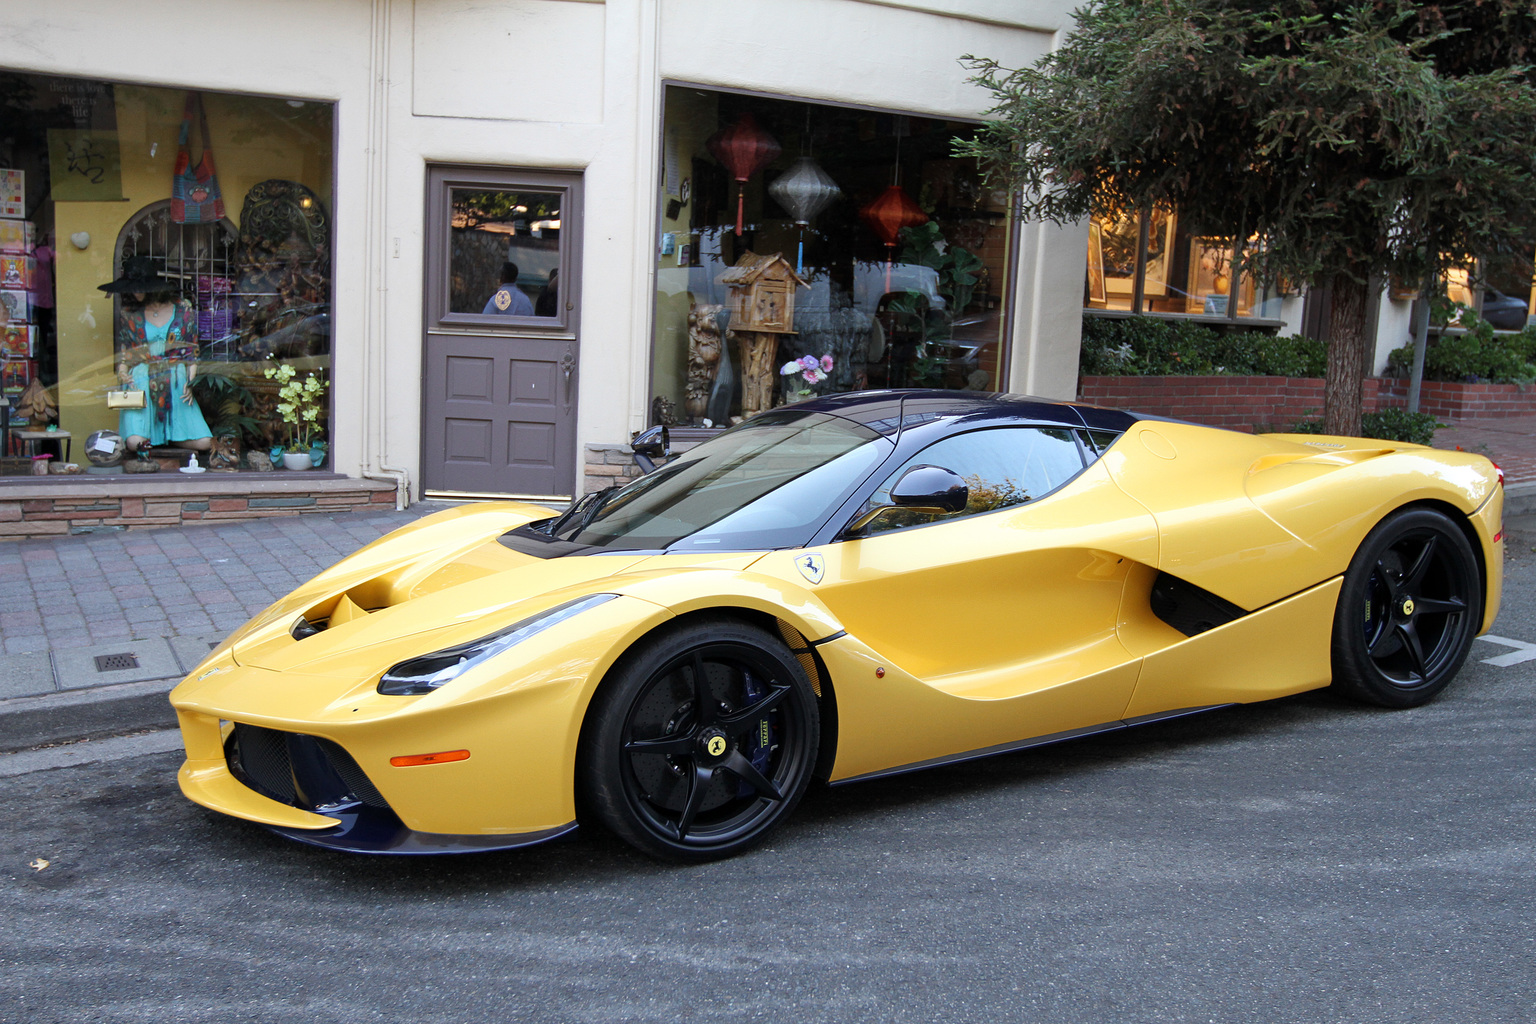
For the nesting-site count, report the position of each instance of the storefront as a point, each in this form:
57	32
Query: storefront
380	162
187	233
890	258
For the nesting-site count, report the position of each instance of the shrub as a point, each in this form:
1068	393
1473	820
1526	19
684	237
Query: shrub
1476	356
1148	346
1387	425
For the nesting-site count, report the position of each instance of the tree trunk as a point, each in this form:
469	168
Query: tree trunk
1347	345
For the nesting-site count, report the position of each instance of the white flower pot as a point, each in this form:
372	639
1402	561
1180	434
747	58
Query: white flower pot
297	460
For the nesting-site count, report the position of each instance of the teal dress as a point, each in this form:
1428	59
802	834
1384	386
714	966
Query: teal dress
158	363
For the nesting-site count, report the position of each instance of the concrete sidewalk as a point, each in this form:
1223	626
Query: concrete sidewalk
95	629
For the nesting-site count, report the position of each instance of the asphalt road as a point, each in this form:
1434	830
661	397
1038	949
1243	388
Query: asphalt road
1304	860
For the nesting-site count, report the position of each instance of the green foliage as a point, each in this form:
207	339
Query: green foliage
959	269
1386	425
1148	346
1354	138
227	404
1477	355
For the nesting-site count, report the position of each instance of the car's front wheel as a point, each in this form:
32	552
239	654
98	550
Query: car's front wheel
701	742
1409	608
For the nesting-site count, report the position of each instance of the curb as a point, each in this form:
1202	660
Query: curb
1520	499
86	714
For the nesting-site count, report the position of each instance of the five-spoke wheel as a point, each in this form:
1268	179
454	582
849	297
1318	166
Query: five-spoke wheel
1410	606
701	741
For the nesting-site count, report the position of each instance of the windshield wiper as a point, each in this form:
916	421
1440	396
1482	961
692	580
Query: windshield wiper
586	507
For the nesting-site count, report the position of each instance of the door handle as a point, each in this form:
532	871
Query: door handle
568	366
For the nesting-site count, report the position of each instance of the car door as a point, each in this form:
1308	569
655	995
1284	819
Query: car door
994	624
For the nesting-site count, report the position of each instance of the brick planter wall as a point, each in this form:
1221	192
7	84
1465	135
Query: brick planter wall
1464	401
90	505
1241	403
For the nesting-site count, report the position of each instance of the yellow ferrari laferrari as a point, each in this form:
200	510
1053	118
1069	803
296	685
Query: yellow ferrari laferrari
840	589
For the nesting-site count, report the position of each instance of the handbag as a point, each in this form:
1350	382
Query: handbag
125	398
195	195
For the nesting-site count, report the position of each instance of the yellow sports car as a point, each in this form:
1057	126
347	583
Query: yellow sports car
840	589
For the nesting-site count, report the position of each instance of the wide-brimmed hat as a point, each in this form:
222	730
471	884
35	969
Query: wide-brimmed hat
140	275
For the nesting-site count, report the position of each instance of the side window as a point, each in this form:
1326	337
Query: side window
1002	467
1099	442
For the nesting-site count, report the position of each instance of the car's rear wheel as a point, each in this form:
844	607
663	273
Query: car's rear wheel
1409	608
701	742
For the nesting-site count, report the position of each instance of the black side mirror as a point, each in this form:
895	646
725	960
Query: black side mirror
649	445
931	489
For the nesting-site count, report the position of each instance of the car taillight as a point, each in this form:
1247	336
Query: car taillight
1499	470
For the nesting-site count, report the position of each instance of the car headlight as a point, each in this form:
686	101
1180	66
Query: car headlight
427	672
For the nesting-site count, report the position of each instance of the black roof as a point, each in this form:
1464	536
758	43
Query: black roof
890	412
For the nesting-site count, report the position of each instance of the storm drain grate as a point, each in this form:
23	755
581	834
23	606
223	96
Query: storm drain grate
116	662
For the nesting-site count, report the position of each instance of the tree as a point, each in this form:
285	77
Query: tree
1357	140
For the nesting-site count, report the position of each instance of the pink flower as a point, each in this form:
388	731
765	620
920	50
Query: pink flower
826	364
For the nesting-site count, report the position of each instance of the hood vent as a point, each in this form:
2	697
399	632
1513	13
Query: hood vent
318	619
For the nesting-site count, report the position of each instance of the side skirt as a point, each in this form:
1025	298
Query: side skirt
1037	741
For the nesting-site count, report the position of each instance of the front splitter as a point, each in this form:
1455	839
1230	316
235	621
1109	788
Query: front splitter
372	830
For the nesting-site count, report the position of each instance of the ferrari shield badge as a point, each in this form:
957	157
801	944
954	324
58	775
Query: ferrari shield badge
812	567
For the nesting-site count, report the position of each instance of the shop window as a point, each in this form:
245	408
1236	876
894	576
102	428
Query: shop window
212	339
849	243
1154	263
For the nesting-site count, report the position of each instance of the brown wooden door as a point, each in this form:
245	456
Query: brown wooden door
500	358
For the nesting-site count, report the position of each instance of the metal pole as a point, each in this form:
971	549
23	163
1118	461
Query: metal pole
1420	330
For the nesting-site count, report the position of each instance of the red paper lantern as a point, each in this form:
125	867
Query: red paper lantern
891	211
744	149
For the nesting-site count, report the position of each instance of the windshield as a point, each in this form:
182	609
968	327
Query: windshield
768	483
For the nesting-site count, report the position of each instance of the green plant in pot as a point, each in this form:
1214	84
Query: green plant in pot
226	404
300	405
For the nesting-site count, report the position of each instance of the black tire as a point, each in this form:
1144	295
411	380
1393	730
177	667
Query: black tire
1410	606
701	742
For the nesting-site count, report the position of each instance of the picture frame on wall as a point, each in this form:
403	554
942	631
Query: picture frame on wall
1096	289
17	305
1210	273
1121	236
16	341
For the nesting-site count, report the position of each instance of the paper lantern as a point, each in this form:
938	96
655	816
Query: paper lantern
891	211
804	190
744	149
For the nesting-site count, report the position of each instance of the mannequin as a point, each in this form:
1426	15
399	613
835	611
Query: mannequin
157	354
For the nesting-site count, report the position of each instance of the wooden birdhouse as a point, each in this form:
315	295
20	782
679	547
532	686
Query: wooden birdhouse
763	293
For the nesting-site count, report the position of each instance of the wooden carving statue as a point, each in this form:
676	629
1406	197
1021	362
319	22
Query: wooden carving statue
36	405
704	350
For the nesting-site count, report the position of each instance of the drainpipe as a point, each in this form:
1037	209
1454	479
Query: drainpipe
376	287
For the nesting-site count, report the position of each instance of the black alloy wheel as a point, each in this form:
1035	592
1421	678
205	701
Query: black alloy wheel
1410	606
701	741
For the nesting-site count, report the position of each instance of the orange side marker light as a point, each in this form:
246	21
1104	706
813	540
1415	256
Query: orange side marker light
441	757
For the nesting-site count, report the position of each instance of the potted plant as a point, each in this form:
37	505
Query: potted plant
299	407
226	404
803	376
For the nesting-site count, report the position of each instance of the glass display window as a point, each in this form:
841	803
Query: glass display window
805	249
1180	272
165	268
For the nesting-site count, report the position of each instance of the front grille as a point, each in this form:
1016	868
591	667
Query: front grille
298	770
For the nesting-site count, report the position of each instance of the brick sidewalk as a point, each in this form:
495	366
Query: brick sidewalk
1509	441
81	592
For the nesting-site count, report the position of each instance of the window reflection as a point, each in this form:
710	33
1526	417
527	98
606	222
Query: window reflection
504	252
